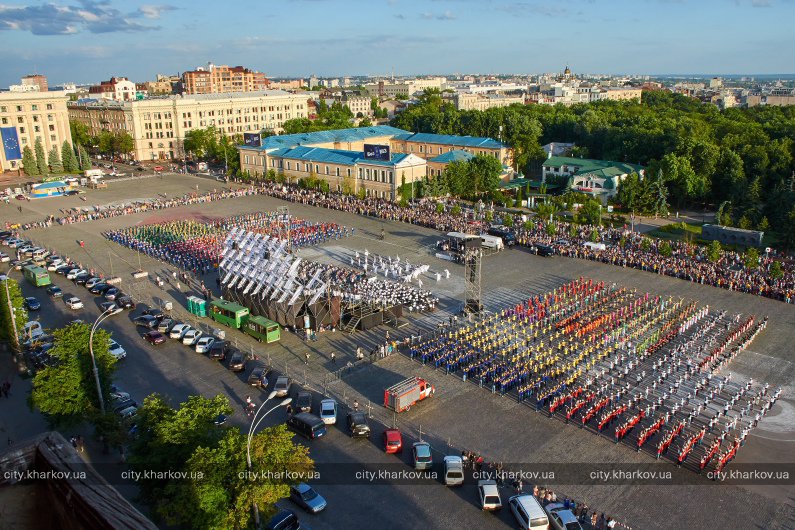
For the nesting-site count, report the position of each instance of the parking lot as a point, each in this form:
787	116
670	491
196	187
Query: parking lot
461	415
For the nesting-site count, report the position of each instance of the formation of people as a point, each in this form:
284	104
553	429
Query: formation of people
196	246
625	248
643	370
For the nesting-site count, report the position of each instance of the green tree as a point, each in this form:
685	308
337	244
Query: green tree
508	221
29	162
645	244
788	231
744	222
365	122
124	143
549	228
455	211
69	159
54	161
763	225
590	212
20	315
85	159
775	270
714	251
751	258
80	134
594	236
665	249
485	171
488	216
518	198
67	391
439	208
41	158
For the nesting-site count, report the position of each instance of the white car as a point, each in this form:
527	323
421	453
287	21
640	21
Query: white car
74	303
191	337
562	518
74	273
4	258
328	411
489	495
92	282
204	344
116	350
178	331
54	265
14	243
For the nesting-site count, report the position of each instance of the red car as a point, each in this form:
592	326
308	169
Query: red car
154	338
393	441
158	168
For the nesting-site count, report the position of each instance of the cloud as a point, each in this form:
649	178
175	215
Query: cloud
87	15
447	15
399	16
154	11
761	3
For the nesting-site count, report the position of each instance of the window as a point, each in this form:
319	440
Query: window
49	117
52	128
49	106
20	119
337	171
3	109
5	121
52	137
19	108
422	149
326	170
35	119
36	128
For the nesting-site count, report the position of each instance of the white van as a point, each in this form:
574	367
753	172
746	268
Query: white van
453	471
595	246
492	242
94	173
528	512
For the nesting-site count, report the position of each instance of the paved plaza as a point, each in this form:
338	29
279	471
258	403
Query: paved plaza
462	415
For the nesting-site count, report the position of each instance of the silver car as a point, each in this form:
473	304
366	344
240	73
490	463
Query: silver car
282	386
307	498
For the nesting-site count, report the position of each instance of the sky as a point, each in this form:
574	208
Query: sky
85	41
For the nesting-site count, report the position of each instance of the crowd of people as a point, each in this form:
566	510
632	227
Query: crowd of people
641	369
196	246
624	247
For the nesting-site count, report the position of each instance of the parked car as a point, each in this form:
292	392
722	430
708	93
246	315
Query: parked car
218	350
191	337
64	269
99	288
153	311
146	321
111	308
561	518
489	495
178	331
303	402
237	363
204	344
284	520
116	350
54	291
421	455
165	325
307	498
528	512
52	267
125	302
357	424
328	411
82	278
282	386
258	377
393	441
128	413
74	303
31	304
154	337
112	293
453	470
92	282
545	250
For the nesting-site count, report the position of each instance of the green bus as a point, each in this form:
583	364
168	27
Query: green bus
37	276
262	329
228	313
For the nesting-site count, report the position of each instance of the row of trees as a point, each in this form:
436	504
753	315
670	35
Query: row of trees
336	116
36	163
14	294
106	143
699	153
212	145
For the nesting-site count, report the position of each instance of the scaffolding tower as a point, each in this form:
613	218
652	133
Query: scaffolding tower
284	226
472	258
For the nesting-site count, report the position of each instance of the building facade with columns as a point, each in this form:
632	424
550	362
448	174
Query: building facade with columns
27	116
158	124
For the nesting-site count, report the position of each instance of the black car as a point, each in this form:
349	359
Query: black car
507	236
125	301
54	291
31	304
258	377
218	350
357	424
118	406
237	363
81	279
153	311
63	269
303	401
146	321
284	520
99	288
544	250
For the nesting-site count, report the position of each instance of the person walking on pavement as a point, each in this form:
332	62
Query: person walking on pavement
306	358
333	358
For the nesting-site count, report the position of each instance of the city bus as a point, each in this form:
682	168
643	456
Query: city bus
228	313
37	276
262	329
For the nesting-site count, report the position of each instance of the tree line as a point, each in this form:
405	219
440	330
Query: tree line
741	158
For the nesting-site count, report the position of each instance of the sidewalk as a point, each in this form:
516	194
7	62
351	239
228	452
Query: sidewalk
17	421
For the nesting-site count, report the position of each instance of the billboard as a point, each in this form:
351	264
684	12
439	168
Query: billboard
252	139
377	152
10	143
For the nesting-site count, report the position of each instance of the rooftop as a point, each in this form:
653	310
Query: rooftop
334	156
451	139
453	156
601	168
355	134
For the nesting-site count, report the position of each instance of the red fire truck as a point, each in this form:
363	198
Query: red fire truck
403	395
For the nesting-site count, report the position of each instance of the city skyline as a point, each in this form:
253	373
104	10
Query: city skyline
84	41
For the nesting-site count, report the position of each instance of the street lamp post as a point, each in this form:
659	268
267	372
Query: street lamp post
11	309
105	314
251	429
